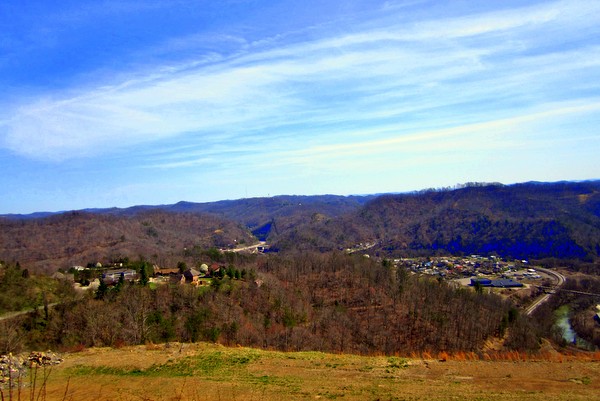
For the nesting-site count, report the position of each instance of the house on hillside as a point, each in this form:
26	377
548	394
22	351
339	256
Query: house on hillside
177	278
64	276
214	269
192	276
167	275
113	276
165	272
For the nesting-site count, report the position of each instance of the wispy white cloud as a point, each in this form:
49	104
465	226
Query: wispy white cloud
388	83
465	137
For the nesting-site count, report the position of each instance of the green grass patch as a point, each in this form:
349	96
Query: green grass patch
304	355
272	380
581	380
217	365
397	363
214	366
103	370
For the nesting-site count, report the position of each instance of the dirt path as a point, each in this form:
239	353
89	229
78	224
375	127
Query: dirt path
12	315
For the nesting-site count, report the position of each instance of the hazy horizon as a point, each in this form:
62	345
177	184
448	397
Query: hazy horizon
123	103
413	191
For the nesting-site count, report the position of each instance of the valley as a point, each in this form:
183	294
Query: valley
409	296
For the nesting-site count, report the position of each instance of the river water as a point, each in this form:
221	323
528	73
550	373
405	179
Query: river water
564	324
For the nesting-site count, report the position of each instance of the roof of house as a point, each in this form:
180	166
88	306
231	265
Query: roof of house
191	273
120	271
166	271
500	283
506	283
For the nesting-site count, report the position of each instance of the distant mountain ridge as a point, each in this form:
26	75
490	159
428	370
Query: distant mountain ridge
229	208
528	220
52	240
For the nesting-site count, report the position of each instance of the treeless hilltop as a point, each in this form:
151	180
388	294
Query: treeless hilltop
205	371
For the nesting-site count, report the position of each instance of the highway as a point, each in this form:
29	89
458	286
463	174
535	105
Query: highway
560	280
252	248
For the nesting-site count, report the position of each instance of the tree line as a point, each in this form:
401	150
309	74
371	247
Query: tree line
328	302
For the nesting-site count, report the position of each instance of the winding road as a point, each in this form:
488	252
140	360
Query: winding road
252	248
560	280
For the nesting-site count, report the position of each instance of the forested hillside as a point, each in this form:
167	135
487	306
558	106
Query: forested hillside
330	302
276	214
309	295
77	238
559	221
532	220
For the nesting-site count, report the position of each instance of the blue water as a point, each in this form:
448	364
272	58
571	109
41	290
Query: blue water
564	324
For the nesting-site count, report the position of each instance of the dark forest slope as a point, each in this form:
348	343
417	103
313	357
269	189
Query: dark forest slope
531	220
267	217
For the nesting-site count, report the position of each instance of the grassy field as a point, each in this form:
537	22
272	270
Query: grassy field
198	372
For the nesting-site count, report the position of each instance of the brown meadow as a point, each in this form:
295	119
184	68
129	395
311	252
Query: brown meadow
205	371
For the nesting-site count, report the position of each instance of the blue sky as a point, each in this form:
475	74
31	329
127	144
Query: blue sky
117	103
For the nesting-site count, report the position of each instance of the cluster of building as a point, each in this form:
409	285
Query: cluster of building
460	266
113	274
192	276
485	271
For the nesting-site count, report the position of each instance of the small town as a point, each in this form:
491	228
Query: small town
473	271
488	271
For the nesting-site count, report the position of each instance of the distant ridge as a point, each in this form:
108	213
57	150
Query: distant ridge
527	220
536	220
232	208
221	205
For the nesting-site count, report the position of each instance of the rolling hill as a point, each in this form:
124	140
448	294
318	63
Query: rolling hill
529	220
76	238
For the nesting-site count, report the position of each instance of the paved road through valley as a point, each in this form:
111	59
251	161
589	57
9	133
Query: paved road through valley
560	280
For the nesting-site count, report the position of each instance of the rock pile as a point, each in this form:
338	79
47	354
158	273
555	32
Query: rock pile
44	358
16	367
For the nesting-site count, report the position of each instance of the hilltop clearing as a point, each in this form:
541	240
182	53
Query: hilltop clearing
211	372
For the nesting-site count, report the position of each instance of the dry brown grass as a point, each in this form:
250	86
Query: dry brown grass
199	372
